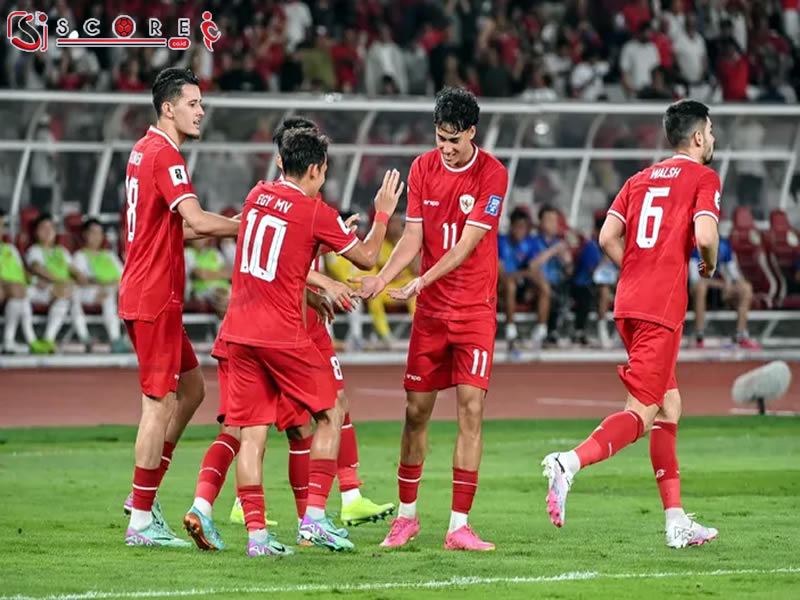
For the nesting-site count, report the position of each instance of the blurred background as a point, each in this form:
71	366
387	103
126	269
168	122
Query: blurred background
571	96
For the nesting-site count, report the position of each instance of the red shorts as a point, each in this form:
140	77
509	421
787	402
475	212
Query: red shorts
164	352
222	378
445	353
258	377
290	414
652	355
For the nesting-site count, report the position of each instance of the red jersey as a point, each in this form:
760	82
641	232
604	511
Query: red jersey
445	200
659	206
156	181
316	328
281	232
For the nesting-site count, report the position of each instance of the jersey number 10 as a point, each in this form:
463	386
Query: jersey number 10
251	259
650	212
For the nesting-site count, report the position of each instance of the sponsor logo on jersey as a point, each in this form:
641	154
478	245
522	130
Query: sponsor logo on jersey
493	207
466	202
413	377
430	202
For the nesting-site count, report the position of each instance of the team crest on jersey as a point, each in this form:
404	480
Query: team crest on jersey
466	202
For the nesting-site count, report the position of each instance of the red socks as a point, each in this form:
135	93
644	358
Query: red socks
613	434
665	463
321	472
465	484
145	485
166	458
408	478
347	461
216	463
252	497
299	455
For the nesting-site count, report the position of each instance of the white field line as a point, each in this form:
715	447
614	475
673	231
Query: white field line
455	582
580	402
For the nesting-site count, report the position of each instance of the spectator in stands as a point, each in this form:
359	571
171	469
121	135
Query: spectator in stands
298	21
691	53
319	73
517	281
587	77
349	62
14	291
748	135
208	274
733	71
638	59
658	88
377	306
735	290
43	169
594	277
101	269
53	282
385	58
552	265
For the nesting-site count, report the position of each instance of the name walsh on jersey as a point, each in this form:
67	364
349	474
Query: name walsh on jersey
665	172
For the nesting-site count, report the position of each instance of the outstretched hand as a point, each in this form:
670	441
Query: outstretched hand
371	286
389	193
408	291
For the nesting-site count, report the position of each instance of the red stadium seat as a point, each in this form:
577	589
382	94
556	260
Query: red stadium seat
66	240
747	243
781	245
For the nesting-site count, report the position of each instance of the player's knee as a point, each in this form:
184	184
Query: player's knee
294	434
333	417
417	414
343	401
234	432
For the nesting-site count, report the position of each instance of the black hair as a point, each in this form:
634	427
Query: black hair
456	108
38	221
519	214
546	208
168	85
682	119
289	124
88	223
302	148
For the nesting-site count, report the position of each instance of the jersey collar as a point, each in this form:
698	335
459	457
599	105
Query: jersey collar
294	186
466	166
162	133
684	157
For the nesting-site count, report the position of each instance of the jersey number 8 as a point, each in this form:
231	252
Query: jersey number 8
656	213
251	259
132	194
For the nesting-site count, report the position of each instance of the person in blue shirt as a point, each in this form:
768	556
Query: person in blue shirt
552	265
735	289
594	272
517	280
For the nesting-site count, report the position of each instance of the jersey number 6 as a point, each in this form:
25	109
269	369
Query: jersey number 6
251	259
643	240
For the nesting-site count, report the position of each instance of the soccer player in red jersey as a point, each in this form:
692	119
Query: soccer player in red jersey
271	354
650	232
455	194
160	197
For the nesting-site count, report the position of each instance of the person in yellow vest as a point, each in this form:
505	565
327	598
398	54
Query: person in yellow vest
54	282
14	290
102	270
208	274
342	270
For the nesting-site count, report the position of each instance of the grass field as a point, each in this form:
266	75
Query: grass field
62	529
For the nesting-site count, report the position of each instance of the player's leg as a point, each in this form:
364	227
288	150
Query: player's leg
252	405
508	287
680	529
191	390
543	308
213	470
78	316
300	438
700	296
159	363
743	296
429	369
652	353
58	298
473	349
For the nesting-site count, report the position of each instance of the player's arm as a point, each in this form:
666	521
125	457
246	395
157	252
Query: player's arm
707	236
365	254
452	259
403	254
204	223
542	257
612	238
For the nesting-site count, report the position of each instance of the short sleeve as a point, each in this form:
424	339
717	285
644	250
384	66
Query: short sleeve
80	262
329	229
707	198
414	194
619	208
117	262
34	256
489	203
171	177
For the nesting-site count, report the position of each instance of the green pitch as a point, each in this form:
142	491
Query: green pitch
62	529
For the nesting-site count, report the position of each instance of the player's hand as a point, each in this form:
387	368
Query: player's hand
389	192
408	291
321	305
352	222
341	294
371	285
704	271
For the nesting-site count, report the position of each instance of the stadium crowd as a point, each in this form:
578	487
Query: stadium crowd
535	50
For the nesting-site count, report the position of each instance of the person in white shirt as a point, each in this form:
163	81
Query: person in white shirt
385	58
690	52
102	269
638	59
586	79
53	277
14	290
